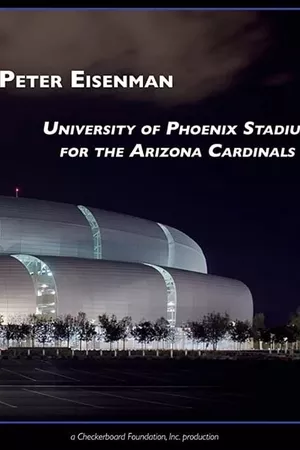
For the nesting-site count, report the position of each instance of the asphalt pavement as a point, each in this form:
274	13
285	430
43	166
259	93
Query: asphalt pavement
135	390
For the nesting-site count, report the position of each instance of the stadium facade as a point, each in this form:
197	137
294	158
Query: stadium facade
61	259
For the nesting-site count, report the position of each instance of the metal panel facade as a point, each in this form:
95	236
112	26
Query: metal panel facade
199	294
186	253
40	228
120	283
17	294
43	228
126	238
97	287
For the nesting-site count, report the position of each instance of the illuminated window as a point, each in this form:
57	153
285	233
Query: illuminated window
95	230
171	244
171	294
44	284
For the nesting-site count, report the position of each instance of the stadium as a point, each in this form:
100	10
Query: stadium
61	259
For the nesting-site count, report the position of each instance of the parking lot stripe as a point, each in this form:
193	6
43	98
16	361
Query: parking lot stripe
19	374
134	374
175	395
64	399
97	374
142	400
57	374
7	404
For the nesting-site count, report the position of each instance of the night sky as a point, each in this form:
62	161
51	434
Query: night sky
244	213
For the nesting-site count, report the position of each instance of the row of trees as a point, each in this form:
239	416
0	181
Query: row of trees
210	330
215	327
277	336
43	330
67	329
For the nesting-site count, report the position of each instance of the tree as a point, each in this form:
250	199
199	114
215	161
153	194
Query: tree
32	321
44	330
259	321
59	331
64	328
258	327
125	326
70	328
216	327
284	334
172	336
240	331
295	324
114	330
162	330
143	332
266	336
85	330
90	331
9	332
292	335
22	332
100	336
80	327
196	331
1	325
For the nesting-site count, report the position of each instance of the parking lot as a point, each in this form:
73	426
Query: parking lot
126	390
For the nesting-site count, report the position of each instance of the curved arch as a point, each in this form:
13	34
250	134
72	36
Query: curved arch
44	284
95	230
171	294
185	253
171	244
